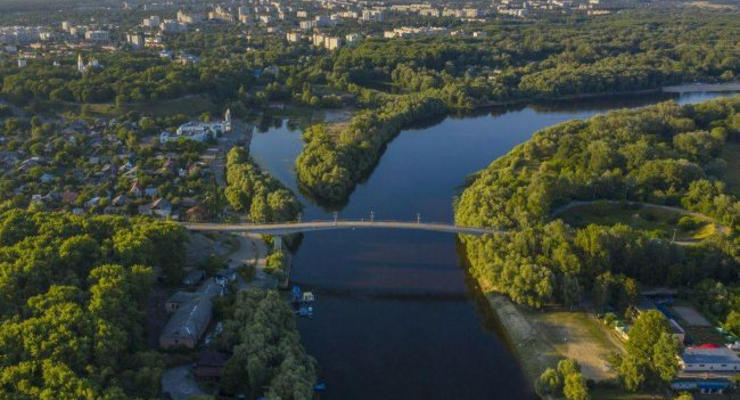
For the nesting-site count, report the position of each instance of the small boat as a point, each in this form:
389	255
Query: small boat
308	297
305	311
297	294
319	387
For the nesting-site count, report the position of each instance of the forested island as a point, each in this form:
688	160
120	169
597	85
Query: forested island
665	155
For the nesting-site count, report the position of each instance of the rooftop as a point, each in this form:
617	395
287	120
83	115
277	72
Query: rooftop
702	355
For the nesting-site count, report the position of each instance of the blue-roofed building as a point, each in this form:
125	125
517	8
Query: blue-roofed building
702	385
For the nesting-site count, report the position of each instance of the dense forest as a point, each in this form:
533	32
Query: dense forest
662	154
74	290
261	332
250	189
397	82
518	62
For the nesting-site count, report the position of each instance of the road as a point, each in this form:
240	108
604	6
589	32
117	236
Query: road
298	227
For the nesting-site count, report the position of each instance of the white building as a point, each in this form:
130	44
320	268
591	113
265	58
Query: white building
710	358
136	40
198	131
97	36
332	42
151	22
82	67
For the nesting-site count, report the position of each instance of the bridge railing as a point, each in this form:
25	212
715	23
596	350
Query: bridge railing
346	221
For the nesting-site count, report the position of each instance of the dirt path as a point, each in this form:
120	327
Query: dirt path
253	250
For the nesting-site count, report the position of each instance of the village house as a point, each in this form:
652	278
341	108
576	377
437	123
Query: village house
160	207
188	324
192	314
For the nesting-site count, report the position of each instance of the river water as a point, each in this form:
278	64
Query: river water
396	316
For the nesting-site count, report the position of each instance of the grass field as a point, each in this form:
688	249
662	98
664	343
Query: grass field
541	339
660	222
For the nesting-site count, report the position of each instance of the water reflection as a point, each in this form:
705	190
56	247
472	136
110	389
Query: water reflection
397	316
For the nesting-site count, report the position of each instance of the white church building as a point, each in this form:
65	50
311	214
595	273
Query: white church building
199	131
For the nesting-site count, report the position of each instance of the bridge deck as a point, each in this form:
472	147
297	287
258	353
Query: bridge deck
297	227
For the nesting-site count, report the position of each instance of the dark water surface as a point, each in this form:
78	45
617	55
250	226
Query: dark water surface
396	316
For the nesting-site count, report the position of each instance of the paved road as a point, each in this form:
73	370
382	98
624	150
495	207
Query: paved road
297	227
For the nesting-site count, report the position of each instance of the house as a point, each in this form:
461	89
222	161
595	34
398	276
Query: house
119	200
709	357
178	299
136	189
161	207
188	324
210	365
209	288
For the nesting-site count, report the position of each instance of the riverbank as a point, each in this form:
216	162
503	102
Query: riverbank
329	172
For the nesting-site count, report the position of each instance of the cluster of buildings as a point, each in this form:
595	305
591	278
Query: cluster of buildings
100	168
14	35
191	312
708	367
407	32
199	131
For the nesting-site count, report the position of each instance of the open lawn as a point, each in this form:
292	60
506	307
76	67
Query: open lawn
541	339
580	336
660	221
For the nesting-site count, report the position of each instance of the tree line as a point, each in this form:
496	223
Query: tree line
73	289
250	189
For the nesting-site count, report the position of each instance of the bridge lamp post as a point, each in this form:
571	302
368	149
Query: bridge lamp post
372	216
336	217
418	218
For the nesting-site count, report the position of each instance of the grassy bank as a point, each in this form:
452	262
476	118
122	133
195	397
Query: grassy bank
542	338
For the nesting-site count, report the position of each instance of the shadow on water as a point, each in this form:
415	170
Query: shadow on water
489	320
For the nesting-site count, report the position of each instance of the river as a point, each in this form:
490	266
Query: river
396	316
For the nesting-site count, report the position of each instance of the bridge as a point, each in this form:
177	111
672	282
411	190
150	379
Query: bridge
285	228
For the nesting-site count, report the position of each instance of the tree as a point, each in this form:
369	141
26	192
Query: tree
550	382
652	351
632	373
665	360
575	387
